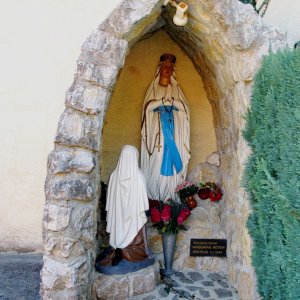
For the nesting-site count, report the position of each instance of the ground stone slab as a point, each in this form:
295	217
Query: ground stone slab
162	292
222	284
20	276
150	297
185	280
207	283
19	279
215	276
204	294
194	288
222	293
199	290
195	276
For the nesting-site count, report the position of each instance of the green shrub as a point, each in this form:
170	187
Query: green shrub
272	175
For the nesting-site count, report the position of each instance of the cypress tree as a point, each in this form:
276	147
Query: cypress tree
272	175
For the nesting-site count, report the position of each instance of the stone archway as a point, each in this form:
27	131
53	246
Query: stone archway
225	40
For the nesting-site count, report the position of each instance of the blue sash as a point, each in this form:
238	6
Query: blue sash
171	156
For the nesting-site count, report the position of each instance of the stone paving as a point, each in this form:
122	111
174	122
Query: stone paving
20	279
20	276
193	285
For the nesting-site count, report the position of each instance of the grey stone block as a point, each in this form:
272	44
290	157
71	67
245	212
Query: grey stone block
223	293
56	218
132	18
215	276
162	292
195	276
102	48
70	188
71	160
77	129
57	275
63	247
207	283
124	286
87	97
101	58
104	75
83	217
204	294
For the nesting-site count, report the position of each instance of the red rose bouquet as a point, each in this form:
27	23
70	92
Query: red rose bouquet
168	217
210	190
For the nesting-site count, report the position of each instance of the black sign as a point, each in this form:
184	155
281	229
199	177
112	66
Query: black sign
208	247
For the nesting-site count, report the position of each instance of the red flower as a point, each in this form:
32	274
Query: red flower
183	215
155	215
204	193
219	195
215	196
212	196
166	213
153	203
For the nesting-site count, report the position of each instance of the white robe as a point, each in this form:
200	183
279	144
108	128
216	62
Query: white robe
162	187
127	199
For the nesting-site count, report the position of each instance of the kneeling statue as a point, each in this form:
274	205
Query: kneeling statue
126	204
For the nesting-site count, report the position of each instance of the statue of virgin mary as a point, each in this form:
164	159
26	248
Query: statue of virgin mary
165	148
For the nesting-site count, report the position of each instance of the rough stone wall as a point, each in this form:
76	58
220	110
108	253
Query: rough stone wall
225	40
72	184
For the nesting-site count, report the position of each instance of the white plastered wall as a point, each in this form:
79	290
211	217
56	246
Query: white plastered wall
39	45
286	16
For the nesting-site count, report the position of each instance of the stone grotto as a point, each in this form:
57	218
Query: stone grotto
224	42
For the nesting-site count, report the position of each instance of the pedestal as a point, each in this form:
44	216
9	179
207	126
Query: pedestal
126	285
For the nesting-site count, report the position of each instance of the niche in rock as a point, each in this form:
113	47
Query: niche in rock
122	123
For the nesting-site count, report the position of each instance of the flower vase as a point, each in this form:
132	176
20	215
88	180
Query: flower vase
169	243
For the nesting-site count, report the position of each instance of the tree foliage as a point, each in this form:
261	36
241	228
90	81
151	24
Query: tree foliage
272	175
